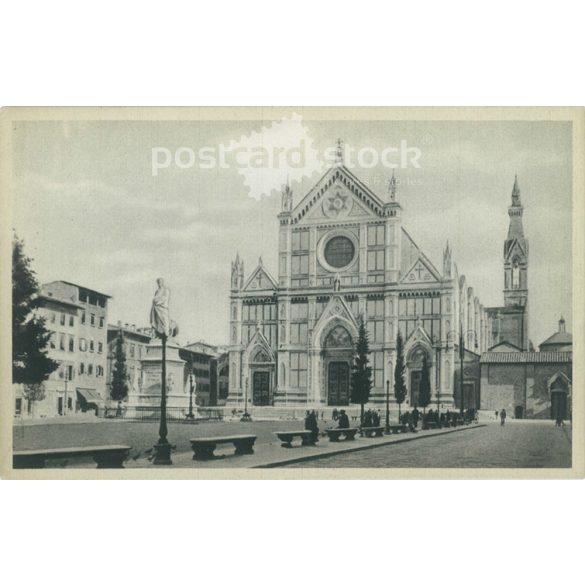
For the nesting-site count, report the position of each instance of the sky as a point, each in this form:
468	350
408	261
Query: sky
91	212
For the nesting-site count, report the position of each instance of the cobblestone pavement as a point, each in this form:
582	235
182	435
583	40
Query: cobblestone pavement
527	444
140	435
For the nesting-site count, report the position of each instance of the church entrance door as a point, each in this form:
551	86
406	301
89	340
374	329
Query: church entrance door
558	405
338	384
261	389
415	377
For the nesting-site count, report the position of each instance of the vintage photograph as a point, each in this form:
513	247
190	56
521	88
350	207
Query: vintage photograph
292	290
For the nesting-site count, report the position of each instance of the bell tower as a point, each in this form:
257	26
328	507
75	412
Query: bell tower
516	255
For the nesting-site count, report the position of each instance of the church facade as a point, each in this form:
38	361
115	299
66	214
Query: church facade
345	255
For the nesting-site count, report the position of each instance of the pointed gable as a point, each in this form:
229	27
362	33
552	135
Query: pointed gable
260	280
337	308
414	265
337	195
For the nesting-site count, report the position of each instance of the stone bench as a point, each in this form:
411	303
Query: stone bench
106	456
394	429
372	431
286	437
334	434
432	424
204	447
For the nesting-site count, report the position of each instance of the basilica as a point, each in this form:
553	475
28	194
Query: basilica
345	255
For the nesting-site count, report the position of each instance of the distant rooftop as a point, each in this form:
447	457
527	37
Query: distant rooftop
526	357
80	287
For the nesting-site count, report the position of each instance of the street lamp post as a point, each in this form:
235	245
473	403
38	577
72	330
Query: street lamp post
163	447
191	416
65	398
387	407
246	416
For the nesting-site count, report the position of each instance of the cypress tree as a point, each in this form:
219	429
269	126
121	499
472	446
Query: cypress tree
31	365
361	375
399	372
119	376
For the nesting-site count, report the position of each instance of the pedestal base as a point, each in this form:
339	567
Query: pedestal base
162	454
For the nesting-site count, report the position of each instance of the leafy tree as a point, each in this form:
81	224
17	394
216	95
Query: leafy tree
399	372
119	376
30	364
361	375
424	394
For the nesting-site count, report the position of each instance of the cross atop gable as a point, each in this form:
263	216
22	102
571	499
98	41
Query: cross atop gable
260	280
420	272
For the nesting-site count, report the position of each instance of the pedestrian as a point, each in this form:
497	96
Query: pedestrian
335	414
367	422
559	422
415	416
503	417
497	415
376	418
343	421
313	426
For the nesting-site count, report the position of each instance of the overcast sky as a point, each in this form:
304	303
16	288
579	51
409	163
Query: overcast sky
91	212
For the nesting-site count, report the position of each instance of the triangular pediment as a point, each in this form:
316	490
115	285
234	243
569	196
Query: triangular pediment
514	248
421	272
337	308
260	280
258	348
338	195
419	335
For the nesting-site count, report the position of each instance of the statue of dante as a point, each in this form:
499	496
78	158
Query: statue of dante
159	314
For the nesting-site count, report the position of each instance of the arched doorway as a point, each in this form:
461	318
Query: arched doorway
262	372
558	399
415	364
337	357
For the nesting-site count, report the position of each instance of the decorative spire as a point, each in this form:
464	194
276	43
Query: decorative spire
339	153
260	261
392	188
562	325
287	196
447	261
516	193
515	211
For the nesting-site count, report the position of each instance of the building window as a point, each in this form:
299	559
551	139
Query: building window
376	235
300	241
298	370
52	340
298	333
82	344
101	321
53	317
83	297
91	345
90	369
99	371
83	317
71	343
81	369
300	264
377	364
71	320
339	251
92	319
299	311
132	350
18	406
70	373
375	260
100	347
62	321
62	342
